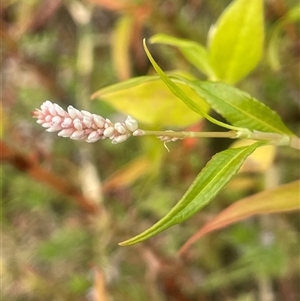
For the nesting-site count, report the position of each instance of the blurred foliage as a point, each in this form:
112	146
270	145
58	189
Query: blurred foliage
62	211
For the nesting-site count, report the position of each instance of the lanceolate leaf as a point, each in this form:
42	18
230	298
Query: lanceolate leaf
148	99
217	173
259	161
194	52
177	91
236	45
239	108
279	199
130	83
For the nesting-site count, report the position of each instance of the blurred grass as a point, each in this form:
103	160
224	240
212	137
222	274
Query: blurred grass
51	247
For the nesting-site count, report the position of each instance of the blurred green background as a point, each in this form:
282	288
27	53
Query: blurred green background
66	204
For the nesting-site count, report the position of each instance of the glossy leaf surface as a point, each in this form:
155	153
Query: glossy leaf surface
148	100
216	174
177	91
236	44
239	108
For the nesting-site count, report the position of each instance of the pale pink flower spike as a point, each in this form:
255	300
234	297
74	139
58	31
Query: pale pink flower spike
83	125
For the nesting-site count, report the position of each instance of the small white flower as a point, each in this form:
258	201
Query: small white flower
60	111
77	124
66	122
93	137
120	128
87	121
72	112
119	139
131	123
99	121
65	133
77	135
109	131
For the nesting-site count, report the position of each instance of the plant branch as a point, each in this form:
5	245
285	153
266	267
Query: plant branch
272	138
183	134
276	139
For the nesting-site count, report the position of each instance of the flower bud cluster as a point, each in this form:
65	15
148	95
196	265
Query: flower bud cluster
82	125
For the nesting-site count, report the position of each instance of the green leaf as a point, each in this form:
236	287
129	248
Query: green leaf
279	199
177	91
130	83
236	45
239	108
217	173
148	99
194	52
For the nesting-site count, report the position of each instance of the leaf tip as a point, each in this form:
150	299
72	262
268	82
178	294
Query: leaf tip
94	95
126	243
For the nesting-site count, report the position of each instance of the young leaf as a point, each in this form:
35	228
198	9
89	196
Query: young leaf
194	52
236	45
217	173
148	99
194	106
282	198
239	108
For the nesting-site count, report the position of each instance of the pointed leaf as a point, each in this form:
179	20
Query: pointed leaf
130	83
194	52
282	198
177	91
217	173
148	100
239	108
260	160
237	42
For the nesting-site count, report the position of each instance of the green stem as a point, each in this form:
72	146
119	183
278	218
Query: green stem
271	138
183	134
180	94
276	139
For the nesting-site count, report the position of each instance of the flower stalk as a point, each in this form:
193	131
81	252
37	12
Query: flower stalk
83	125
168	136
